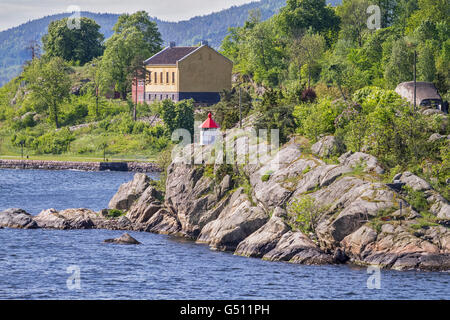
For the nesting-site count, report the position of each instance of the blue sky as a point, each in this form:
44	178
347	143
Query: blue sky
15	12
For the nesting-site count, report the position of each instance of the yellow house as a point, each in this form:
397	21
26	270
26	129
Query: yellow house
179	73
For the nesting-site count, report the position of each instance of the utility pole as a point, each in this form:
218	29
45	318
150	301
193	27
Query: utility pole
240	106
136	93
21	145
96	101
415	80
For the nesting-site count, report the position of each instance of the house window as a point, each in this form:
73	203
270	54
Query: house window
167	78
173	77
156	77
162	80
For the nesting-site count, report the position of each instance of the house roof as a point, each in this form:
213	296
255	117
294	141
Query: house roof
424	90
170	55
209	123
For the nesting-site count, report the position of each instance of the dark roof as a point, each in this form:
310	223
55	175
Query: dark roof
170	55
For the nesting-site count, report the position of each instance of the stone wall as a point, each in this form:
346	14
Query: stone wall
85	166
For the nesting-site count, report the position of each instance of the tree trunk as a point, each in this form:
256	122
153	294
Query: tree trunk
55	112
309	76
135	95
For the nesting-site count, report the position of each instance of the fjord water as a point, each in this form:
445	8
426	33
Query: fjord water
34	263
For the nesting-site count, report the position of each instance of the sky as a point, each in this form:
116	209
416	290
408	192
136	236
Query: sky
16	12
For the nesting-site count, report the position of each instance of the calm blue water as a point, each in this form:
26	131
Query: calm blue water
33	263
37	190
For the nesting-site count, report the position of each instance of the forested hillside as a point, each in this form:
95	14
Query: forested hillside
212	27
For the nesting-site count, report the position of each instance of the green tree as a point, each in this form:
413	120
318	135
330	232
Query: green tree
300	15
306	213
426	65
226	112
185	115
168	115
49	84
178	115
387	8
403	11
353	14
257	50
400	66
276	115
308	50
134	36
78	45
433	10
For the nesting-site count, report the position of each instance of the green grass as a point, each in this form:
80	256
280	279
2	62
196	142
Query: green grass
377	222
115	213
86	144
427	220
266	176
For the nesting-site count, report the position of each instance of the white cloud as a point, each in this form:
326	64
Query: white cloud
15	12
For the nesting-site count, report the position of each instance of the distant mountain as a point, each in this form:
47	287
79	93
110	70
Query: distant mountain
212	27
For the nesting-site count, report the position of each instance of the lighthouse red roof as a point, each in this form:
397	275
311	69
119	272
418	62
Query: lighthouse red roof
209	123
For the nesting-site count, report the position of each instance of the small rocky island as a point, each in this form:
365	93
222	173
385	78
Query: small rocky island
248	210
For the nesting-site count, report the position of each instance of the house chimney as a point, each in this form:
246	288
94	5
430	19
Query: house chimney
173	44
205	43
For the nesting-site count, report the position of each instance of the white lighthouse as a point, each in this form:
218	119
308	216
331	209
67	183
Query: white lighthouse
209	131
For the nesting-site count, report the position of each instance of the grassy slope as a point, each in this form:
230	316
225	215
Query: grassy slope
85	147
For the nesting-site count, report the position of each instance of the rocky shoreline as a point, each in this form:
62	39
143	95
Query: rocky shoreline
364	221
82	166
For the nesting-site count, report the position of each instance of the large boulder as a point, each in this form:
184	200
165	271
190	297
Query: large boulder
370	163
274	183
413	181
356	242
439	206
67	219
129	192
441	209
297	248
118	223
191	194
264	239
353	202
327	147
397	248
235	223
146	206
124	239
320	176
17	219
163	222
